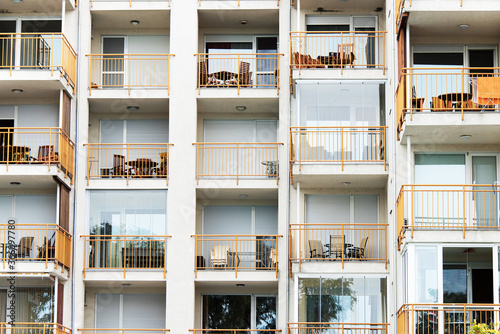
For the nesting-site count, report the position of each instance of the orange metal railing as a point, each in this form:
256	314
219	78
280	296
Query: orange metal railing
448	207
362	144
445	318
237	160
277	2
123	331
35	242
337	49
243	70
400	104
46	51
399	5
129	71
129	1
336	328
236	252
459	89
342	242
33	328
50	146
235	331
411	2
125	252
136	161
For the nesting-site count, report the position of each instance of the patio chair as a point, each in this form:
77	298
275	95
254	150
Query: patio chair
24	247
162	169
345	54
203	77
244	74
46	153
359	252
273	258
220	256
337	246
316	249
119	169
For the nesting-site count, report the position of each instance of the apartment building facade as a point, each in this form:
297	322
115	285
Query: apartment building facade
249	165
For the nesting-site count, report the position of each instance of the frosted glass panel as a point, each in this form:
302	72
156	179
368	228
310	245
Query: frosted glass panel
440	169
5	209
327	209
107	310
36	209
227	219
229	131
267	131
266	220
111	131
147	131
141	44
365	208
38	116
143	311
426	274
6	112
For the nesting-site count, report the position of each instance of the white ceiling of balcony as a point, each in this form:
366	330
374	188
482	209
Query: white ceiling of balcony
119	106
230	19
211	194
31	89
341	5
35	6
28	182
120	19
269	106
482	24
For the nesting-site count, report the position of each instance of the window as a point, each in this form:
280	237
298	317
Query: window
343	299
357	209
134	131
130	311
220	219
42	209
35	305
340	103
240	131
128	212
239	312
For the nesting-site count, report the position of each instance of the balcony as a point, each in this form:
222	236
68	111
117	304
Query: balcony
430	98
36	243
337	242
53	147
336	328
50	52
238	1
444	318
236	253
125	253
237	161
337	50
447	207
127	71
237	71
130	2
127	161
33	328
235	331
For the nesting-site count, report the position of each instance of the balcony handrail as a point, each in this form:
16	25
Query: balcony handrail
130	1
452	89
277	2
30	327
44	58
231	160
116	258
337	144
235	330
49	242
129	70
129	161
59	148
446	207
238	70
122	330
351	238
322	49
244	252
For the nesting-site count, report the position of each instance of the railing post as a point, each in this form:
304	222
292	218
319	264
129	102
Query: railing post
342	146
49	159
412	210
462	94
124	256
129	68
236	260
9	147
276	171
343	246
463	209
47	248
128	159
385	243
237	162
300	149
385	148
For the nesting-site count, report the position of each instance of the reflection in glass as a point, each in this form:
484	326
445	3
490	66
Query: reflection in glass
226	311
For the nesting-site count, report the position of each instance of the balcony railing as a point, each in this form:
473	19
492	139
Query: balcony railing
411	2
47	51
444	318
237	160
125	253
336	328
448	207
129	71
33	328
35	242
362	144
49	146
236	71
235	331
337	49
236	252
459	89
128	1
239	1
127	161
338	242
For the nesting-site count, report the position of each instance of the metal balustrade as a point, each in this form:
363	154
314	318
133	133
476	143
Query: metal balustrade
129	71
237	160
337	242
128	161
125	252
236	252
43	51
336	328
131	2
